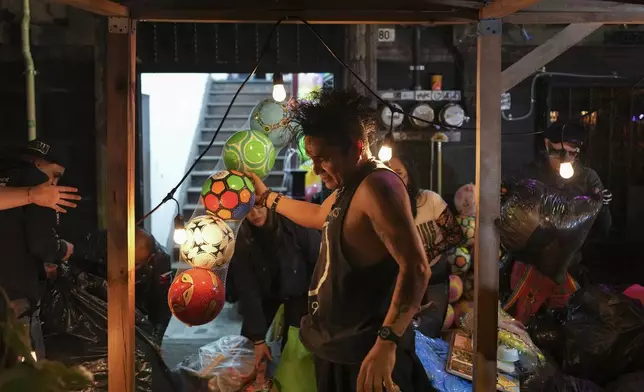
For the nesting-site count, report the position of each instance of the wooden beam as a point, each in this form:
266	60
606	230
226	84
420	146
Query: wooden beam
575	17
488	185
100	7
120	94
503	8
311	16
545	53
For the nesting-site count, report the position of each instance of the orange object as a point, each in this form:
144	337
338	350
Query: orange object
437	82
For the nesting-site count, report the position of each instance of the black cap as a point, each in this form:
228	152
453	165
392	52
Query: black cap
566	132
49	151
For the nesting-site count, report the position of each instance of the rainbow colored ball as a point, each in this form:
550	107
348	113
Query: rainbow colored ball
468	225
460	259
228	194
449	318
249	151
196	296
455	288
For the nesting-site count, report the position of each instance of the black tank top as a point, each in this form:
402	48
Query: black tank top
347	302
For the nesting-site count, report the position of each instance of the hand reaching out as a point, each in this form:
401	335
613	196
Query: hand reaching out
53	196
376	369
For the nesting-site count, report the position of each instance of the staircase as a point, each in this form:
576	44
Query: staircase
219	97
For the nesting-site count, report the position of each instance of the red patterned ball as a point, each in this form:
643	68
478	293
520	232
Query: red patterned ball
196	296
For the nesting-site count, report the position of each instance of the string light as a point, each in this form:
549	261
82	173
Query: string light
279	92
386	151
180	236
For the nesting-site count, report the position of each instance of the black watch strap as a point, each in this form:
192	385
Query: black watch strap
386	333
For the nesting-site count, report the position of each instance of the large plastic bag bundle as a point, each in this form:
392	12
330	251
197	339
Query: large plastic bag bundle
631	382
225	365
432	353
543	226
75	330
604	335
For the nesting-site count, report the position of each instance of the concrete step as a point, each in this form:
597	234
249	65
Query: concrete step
224	133
209	163
252	86
232	121
238	109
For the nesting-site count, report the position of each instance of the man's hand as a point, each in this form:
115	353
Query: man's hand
376	369
70	250
260	187
52	196
262	351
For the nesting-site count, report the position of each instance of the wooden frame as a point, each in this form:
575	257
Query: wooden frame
120	77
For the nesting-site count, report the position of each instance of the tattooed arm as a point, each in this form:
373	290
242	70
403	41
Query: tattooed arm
390	214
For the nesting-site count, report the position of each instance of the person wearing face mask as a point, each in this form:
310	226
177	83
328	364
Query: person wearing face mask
439	232
28	234
272	265
557	167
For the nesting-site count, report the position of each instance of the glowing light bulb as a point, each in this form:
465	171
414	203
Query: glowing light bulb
566	170
279	92
180	236
385	153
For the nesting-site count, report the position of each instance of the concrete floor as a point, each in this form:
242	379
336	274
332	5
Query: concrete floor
181	341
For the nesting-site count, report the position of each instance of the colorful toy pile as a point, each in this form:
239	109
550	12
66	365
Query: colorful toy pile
461	282
197	295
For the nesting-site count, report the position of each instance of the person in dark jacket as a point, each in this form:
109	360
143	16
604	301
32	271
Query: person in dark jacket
530	288
28	234
272	265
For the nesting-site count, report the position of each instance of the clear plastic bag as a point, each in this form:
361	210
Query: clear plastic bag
512	334
228	364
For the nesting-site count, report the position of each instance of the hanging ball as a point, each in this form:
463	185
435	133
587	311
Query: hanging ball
301	148
449	318
272	118
210	243
455	288
196	296
228	194
460	259
249	151
468	225
465	200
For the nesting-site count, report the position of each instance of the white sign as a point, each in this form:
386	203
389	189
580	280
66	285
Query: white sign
386	35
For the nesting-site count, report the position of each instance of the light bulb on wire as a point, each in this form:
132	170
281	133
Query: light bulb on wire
566	170
279	92
180	236
386	151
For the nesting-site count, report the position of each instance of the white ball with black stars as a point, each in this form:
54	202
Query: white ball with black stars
210	243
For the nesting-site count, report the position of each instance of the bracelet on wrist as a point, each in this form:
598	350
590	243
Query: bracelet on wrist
259	342
275	201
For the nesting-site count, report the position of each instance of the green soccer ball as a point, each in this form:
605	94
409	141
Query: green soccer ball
249	151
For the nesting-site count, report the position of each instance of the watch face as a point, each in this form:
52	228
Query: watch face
384	332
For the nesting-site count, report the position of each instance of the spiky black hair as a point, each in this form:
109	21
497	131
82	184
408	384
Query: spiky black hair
340	117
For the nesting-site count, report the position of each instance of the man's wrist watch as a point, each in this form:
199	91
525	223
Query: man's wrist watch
386	333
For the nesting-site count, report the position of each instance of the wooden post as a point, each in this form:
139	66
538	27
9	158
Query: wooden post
120	92
488	186
361	47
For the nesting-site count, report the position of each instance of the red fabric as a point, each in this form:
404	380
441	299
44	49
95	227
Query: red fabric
636	292
532	289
